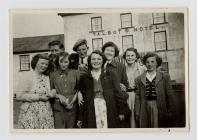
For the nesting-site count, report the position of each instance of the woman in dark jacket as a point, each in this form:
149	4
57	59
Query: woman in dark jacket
103	102
154	101
111	52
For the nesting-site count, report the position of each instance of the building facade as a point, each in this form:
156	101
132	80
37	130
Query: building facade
162	33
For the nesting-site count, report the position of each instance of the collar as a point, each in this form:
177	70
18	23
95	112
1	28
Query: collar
85	60
96	74
151	77
159	76
62	72
112	63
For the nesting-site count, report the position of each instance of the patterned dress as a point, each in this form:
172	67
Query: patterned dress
36	114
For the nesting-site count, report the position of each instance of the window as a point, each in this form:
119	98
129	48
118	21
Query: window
159	18
97	43
160	41
96	24
127	42
126	20
24	63
164	67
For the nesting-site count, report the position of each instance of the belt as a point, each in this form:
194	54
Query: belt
151	98
131	89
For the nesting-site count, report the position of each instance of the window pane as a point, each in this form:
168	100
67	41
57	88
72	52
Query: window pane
97	43
160	41
158	18
126	20
96	24
24	63
164	67
127	42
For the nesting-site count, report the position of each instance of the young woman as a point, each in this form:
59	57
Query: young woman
103	104
36	111
154	102
111	51
65	82
133	70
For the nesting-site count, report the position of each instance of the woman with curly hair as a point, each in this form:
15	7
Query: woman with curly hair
35	92
154	101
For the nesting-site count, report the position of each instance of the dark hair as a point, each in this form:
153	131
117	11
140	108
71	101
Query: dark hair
151	54
133	50
35	59
63	55
111	44
99	53
56	42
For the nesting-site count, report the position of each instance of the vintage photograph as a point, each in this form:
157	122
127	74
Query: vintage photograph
100	69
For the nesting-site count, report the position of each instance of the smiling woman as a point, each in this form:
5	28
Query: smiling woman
36	111
104	105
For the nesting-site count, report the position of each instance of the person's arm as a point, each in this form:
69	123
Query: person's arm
124	83
81	107
124	80
137	100
24	92
79	94
120	99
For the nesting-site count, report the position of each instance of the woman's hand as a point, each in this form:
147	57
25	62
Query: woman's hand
121	117
123	87
69	106
52	93
80	98
79	124
63	100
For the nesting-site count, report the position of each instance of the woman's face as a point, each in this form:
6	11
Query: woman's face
130	57
109	53
63	62
42	65
96	61
151	64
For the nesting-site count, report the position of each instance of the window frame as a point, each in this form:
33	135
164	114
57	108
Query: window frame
20	59
167	71
123	44
93	48
121	20
160	22
166	47
92	18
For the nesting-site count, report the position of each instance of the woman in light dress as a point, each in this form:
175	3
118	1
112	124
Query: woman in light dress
35	93
133	70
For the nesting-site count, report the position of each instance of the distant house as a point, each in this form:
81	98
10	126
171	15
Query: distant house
23	51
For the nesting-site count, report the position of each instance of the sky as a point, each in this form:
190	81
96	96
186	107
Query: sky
36	24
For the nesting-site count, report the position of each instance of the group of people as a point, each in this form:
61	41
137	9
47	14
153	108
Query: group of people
100	90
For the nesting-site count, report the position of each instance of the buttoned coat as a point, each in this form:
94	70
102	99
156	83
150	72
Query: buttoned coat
165	100
115	101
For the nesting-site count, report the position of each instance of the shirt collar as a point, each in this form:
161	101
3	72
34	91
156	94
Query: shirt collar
85	59
151	77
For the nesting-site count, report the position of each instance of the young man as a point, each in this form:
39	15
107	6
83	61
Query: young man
56	47
65	82
78	60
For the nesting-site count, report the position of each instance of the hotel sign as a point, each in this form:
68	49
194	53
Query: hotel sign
127	30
